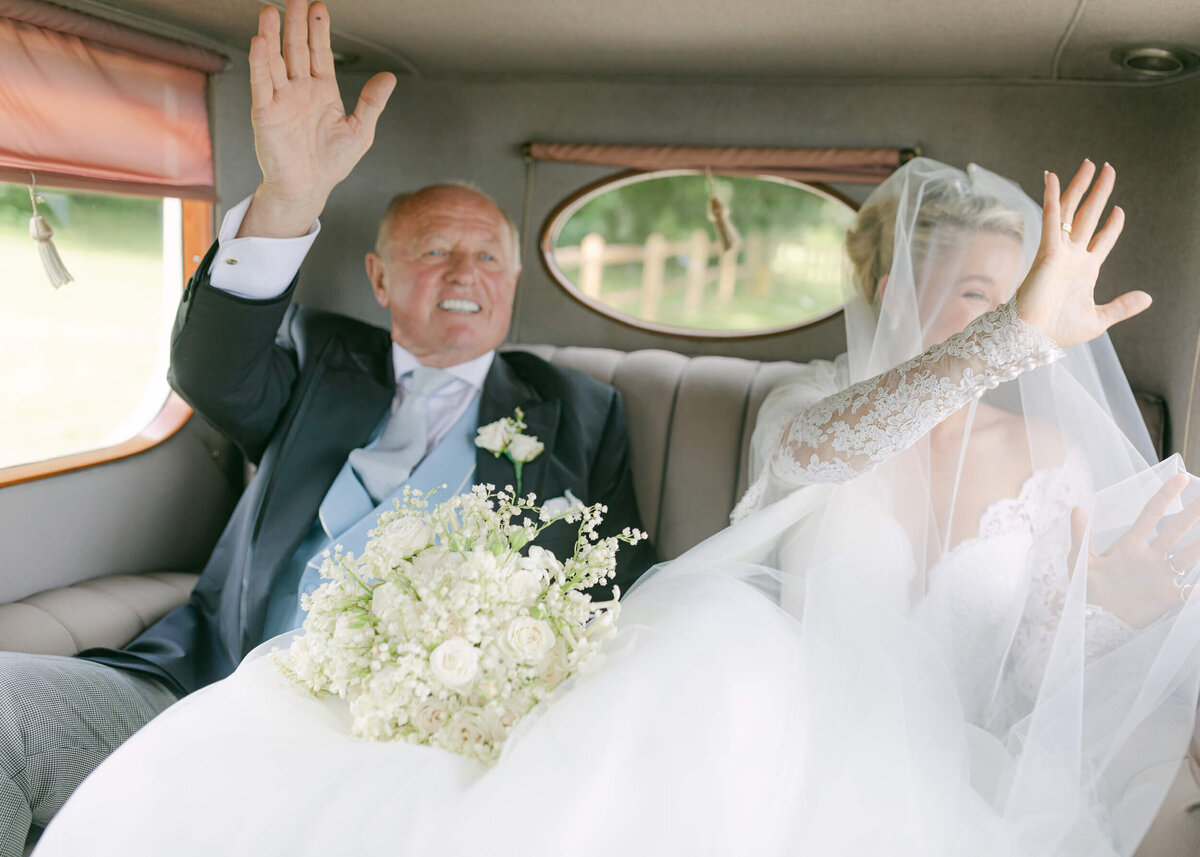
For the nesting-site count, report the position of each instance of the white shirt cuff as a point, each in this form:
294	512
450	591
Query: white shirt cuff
256	268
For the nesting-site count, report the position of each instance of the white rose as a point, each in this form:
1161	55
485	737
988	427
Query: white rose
552	671
525	448
403	537
500	723
524	585
430	717
455	662
431	563
387	602
495	437
529	639
467	728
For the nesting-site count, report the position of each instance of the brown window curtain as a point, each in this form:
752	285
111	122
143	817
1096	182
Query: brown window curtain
854	166
90	105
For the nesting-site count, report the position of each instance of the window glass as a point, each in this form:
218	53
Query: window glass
84	366
644	250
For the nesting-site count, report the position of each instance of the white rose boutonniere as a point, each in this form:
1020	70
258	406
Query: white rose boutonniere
504	437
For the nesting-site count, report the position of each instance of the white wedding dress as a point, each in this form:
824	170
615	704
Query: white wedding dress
831	675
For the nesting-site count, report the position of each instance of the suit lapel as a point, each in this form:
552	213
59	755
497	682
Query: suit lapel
504	392
345	400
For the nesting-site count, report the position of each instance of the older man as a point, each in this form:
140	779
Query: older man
338	415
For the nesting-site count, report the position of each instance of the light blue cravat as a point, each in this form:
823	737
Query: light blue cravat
404	440
347	513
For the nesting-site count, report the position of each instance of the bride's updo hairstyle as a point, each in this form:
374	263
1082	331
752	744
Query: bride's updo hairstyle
948	211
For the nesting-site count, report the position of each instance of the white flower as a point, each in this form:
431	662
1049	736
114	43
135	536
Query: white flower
430	716
553	670
541	562
568	502
525	448
529	639
495	437
455	662
403	537
467	728
525	585
451	579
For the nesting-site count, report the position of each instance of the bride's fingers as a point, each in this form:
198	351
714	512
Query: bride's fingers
1107	237
1079	531
1124	307
1184	558
1176	527
1075	190
1156	508
1051	213
1088	216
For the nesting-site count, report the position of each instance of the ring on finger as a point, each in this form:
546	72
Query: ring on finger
1066	227
1171	565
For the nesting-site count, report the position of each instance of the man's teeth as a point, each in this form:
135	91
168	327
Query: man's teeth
459	305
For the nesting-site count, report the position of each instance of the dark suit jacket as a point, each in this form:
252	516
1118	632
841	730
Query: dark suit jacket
297	390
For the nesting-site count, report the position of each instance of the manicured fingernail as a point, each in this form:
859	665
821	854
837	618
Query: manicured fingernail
1087	160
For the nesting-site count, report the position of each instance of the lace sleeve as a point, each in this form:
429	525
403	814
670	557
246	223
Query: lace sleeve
850	432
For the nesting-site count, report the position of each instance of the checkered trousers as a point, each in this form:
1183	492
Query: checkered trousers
59	718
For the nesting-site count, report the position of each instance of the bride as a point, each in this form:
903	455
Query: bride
950	617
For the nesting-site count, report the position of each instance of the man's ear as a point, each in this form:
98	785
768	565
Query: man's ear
375	274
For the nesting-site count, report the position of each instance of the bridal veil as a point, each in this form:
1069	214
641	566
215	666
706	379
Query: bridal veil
984	667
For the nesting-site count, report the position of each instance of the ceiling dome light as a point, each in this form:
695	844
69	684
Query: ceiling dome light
1155	62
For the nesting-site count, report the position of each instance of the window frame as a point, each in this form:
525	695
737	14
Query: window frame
580	197
175	412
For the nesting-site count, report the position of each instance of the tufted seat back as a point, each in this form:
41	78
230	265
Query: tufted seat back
690	422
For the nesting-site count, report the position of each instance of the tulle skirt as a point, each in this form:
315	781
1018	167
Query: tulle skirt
718	724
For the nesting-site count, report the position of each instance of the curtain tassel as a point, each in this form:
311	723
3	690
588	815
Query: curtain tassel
728	238
40	231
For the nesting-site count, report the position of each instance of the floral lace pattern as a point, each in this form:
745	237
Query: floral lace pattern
817	429
847	434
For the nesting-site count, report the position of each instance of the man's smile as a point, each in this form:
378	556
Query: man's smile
460	305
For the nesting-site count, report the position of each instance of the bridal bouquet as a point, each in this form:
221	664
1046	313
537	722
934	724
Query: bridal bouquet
444	632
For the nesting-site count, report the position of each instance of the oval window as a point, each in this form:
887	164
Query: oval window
643	249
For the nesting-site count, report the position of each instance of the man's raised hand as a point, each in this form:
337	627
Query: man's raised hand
305	142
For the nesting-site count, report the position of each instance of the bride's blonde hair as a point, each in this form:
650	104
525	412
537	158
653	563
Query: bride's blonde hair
944	207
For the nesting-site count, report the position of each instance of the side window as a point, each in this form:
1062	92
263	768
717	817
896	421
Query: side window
644	249
84	366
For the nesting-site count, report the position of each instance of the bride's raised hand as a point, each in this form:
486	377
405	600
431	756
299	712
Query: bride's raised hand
305	142
1058	295
1141	575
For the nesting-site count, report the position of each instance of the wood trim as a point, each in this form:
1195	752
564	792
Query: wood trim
169	420
197	235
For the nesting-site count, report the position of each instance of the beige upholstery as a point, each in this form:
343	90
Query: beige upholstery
690	422
106	611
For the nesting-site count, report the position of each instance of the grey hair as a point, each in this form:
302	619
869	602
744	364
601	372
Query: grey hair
397	203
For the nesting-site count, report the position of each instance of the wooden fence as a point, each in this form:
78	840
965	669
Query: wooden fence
744	273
